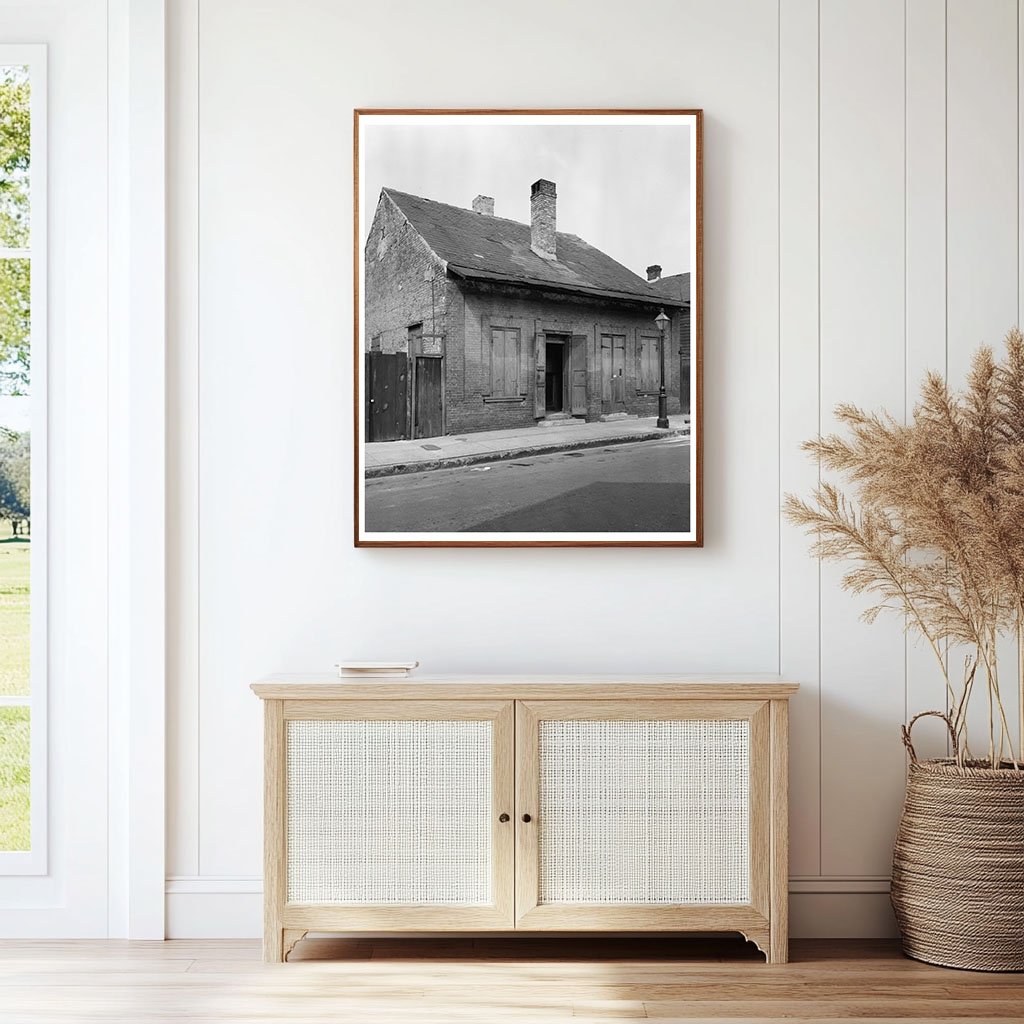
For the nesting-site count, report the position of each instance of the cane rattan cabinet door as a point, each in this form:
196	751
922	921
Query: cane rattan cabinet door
642	815
396	814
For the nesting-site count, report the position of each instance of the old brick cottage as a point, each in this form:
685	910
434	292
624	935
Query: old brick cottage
477	322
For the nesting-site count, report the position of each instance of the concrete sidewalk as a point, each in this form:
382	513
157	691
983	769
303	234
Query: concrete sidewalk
383	458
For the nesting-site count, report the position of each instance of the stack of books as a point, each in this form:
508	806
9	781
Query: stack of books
376	669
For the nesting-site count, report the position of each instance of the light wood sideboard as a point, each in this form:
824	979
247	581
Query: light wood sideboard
474	804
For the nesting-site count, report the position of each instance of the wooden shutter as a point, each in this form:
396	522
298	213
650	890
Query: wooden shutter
539	404
648	360
512	363
578	369
497	361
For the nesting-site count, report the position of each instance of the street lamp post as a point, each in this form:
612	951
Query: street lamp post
662	321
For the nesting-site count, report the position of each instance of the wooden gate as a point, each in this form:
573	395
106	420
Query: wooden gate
387	396
427	415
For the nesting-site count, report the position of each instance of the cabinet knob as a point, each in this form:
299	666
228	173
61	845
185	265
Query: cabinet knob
503	818
527	818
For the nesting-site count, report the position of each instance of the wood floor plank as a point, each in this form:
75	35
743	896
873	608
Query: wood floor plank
616	1009
540	980
832	1009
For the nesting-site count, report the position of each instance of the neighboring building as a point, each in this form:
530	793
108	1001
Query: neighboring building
476	322
677	287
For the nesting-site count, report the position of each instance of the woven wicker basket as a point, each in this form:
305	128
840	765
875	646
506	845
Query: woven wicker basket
958	863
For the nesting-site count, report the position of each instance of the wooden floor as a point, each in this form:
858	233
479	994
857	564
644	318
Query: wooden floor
488	980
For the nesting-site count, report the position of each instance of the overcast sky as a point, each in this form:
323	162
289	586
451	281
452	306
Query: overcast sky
623	189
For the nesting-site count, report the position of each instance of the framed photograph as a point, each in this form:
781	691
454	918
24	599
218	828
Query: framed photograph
527	328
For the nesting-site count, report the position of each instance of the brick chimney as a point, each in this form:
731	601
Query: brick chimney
484	204
542	218
654	272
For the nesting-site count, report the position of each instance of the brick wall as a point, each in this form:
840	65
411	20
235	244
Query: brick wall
404	283
468	364
682	318
542	219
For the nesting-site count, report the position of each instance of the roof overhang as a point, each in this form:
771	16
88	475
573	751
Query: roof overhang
487	277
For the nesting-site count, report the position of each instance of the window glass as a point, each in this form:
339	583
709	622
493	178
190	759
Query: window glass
15	456
15	128
14	778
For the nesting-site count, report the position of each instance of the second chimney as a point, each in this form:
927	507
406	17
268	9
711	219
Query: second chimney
654	272
542	218
484	204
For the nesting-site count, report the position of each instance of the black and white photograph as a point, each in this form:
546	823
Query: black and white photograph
527	338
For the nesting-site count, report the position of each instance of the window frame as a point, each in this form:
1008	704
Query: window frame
34	861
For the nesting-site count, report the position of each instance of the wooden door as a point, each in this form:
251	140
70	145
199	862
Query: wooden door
540	377
387	415
578	375
613	363
643	815
428	415
393	815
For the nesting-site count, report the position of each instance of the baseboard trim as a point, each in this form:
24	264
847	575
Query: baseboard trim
839	883
231	907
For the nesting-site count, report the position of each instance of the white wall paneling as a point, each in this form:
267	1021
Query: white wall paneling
862	223
183	540
274	445
799	412
983	214
925	279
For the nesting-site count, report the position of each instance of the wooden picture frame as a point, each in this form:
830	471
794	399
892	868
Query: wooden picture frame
515	389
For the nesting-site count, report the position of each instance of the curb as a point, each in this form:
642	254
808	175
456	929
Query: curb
452	462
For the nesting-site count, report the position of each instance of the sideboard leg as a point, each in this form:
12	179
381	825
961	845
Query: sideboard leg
273	944
778	945
289	938
274	831
779	883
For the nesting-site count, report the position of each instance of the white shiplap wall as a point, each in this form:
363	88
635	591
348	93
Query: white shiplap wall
862	223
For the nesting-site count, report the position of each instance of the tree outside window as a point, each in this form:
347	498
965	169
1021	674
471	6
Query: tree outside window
15	456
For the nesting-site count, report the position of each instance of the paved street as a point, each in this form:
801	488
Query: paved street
642	487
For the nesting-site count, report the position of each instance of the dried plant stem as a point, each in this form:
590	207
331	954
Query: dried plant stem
995	701
936	527
1020	680
960	719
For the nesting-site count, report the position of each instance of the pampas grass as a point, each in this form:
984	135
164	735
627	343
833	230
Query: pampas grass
933	528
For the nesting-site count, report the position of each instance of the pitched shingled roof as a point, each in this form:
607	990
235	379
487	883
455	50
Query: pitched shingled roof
486	248
676	286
